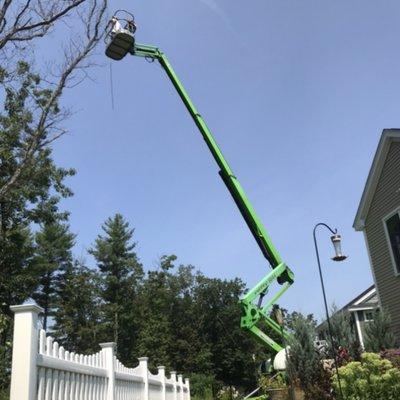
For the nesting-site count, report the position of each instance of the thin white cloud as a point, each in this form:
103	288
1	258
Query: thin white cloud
213	6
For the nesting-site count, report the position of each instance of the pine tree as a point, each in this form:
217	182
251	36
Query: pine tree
378	334
342	333
304	365
78	315
121	274
52	257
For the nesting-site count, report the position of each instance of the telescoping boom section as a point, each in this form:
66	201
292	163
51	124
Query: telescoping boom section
256	315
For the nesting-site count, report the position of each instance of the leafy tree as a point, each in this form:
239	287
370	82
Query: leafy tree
217	317
41	125
378	334
78	315
190	351
155	336
30	182
31	199
191	322
121	274
291	319
34	199
52	256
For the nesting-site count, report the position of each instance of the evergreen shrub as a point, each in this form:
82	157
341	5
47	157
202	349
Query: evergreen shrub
378	334
305	363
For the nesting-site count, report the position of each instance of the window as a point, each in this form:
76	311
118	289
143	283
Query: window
393	231
369	316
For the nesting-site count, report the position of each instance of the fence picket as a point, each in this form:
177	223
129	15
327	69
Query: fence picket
72	387
48	384
41	383
67	378
54	393
61	376
49	346
57	374
42	341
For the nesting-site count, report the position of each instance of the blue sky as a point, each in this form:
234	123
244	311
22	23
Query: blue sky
296	94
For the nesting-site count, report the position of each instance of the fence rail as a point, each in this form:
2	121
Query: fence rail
43	370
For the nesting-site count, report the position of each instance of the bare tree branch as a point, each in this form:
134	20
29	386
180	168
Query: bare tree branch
33	18
3	12
75	60
24	9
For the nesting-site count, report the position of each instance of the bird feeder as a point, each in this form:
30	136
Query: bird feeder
336	240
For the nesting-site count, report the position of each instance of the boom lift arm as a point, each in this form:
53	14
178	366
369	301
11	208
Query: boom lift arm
121	42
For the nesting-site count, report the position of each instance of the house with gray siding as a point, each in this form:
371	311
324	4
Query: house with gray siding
360	312
378	217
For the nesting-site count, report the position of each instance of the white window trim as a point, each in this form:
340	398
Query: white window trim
384	219
365	316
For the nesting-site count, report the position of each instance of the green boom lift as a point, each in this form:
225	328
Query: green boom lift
256	315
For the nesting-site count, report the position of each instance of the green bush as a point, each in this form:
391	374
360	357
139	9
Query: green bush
269	384
4	395
275	382
372	379
202	386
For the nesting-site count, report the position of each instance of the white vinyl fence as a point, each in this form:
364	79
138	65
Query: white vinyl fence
42	370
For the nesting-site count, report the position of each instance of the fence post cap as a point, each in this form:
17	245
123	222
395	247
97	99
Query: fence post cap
161	367
142	359
173	372
26	308
107	345
180	376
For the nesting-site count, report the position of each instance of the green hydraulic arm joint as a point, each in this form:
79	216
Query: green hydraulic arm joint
253	314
